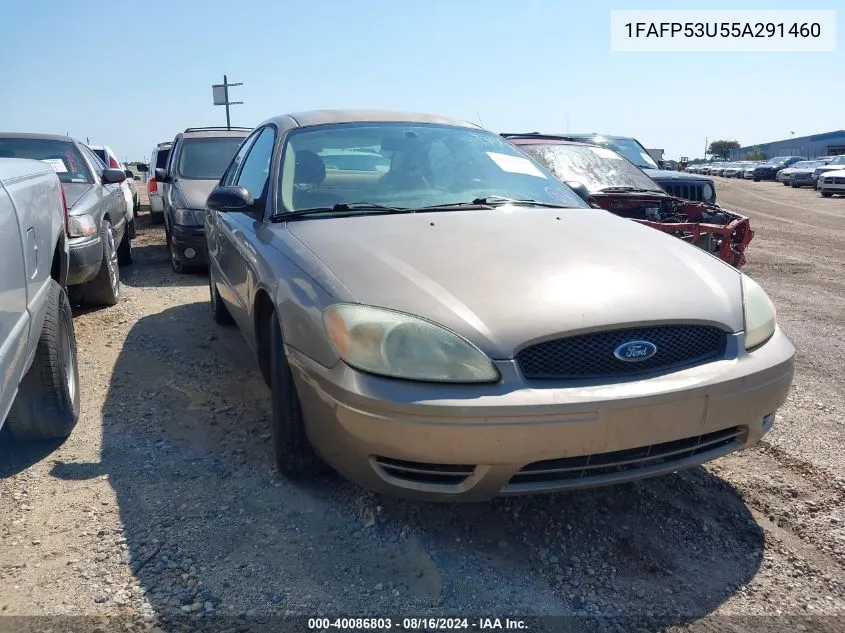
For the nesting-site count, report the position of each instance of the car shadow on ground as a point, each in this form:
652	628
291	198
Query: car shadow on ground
214	534
16	457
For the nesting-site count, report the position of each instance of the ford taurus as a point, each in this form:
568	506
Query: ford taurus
448	321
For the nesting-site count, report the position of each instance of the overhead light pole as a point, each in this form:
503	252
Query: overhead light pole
220	92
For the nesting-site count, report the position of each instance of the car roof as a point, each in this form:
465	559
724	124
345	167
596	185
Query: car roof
326	117
44	137
214	132
544	140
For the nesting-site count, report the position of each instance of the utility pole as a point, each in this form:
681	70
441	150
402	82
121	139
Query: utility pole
705	148
220	93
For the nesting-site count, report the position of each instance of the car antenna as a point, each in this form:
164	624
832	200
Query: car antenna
480	122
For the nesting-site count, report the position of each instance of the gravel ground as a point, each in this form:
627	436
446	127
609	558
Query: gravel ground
163	508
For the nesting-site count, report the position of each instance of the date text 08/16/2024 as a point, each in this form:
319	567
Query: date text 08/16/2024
416	624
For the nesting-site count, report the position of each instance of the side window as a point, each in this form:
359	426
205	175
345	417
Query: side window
232	171
255	172
96	164
172	155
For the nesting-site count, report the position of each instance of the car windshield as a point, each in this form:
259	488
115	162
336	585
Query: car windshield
802	163
629	148
62	156
207	158
777	160
596	167
427	165
839	160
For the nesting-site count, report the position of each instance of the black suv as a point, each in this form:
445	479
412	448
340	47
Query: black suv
197	160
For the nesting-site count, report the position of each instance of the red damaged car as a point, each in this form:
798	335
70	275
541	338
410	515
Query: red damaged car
609	181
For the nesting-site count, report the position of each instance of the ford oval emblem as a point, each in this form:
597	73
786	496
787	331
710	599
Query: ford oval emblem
635	351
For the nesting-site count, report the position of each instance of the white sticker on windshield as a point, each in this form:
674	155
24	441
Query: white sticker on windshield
515	164
57	164
606	153
647	158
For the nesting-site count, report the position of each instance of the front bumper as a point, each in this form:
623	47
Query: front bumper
837	186
765	174
84	260
471	443
802	180
189	237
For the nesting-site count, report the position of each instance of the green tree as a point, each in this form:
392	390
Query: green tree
756	154
722	149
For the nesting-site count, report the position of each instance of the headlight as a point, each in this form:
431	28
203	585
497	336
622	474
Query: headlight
400	345
759	312
81	225
188	217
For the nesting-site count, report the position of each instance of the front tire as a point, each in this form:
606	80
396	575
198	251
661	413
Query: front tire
295	458
826	194
47	404
104	289
175	263
756	180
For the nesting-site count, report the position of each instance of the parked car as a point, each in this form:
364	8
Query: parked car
39	377
110	159
831	183
465	326
801	173
835	164
613	183
784	174
748	172
735	170
158	160
678	183
769	169
100	226
197	159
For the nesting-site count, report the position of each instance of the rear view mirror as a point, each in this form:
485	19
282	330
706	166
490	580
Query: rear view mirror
229	199
580	189
129	173
112	176
143	168
161	175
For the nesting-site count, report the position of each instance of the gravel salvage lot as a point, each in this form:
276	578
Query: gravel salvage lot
164	506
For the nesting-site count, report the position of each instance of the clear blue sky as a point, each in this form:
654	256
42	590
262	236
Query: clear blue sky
131	74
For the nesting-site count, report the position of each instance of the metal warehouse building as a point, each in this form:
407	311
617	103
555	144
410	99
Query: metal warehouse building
827	144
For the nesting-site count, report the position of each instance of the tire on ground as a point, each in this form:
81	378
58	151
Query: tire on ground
219	312
100	291
47	403
124	250
295	458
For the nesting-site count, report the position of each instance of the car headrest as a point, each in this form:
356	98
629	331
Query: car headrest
310	169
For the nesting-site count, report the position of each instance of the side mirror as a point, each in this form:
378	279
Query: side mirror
129	173
229	199
113	176
579	188
161	175
143	167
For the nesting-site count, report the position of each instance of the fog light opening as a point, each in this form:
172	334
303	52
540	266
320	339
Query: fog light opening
768	421
190	253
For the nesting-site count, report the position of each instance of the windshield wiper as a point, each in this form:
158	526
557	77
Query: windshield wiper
339	208
491	202
629	190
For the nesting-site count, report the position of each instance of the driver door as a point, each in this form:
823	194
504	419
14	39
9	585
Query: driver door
236	256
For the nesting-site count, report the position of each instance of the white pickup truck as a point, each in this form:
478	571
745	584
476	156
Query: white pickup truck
39	378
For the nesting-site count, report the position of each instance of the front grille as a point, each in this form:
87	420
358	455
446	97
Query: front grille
425	473
831	180
687	191
586	467
591	355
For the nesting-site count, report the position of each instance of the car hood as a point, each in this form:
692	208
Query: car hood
665	174
827	168
511	276
74	192
195	192
836	173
